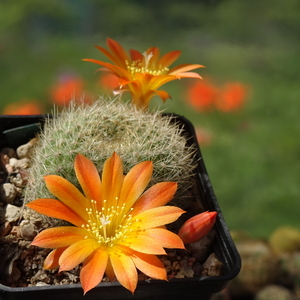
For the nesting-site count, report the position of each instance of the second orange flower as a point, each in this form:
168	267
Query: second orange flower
142	74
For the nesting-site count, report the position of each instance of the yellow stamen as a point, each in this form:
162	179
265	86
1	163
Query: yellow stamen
146	66
109	225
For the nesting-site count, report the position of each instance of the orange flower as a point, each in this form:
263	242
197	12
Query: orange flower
109	81
67	88
142	74
202	96
195	228
23	108
204	137
118	228
232	97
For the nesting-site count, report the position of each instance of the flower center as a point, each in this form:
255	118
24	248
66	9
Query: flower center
108	225
145	66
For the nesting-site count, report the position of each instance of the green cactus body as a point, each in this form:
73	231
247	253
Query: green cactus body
99	129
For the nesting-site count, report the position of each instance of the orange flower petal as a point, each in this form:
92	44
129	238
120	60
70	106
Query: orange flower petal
135	55
157	216
93	269
107	54
67	193
120	54
109	272
124	81
157	81
112	179
114	69
56	209
163	95
145	244
167	59
188	75
88	177
157	195
135	183
125	270
184	68
150	265
59	237
164	237
51	261
76	254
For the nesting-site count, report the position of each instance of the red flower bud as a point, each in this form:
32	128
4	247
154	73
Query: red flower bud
197	227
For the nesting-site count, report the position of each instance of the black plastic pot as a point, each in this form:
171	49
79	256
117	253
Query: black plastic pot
187	288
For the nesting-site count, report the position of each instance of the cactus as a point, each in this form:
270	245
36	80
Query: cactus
285	239
274	292
260	267
97	130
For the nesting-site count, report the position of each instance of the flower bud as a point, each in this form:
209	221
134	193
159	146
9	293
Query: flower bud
195	228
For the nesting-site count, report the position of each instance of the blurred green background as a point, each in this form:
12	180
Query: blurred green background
252	154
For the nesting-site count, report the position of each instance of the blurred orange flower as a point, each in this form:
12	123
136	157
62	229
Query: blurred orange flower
67	88
202	96
204	137
205	96
142	74
24	107
232	97
109	81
